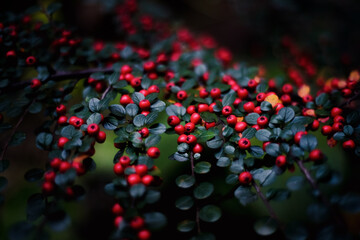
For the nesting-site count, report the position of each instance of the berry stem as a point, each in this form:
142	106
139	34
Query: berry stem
21	119
107	90
271	211
357	95
197	217
60	76
336	215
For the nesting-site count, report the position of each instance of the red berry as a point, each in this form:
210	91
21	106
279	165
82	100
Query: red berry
240	126
195	118
100	87
137	223
101	137
249	107
126	69
48	187
252	83
124	161
35	83
316	155
31	60
118	169
280	161
49	176
231	120
326	130
133	179
144	104
226	111
210	125
141	169
153	152
191	109
135	82
61	109
211	107
153	89
93	129
55	163
260	97
147	180
215	93
203	107
144	234
244	143
144	132
262	121
286	99
179	129
181	95
125	99
242	93
349	144
346	92
149	66
203	93
62	120
315	125
191	139
173	120
144	92
287	88
336	111
10	54
62	141
198	148
337	127
189	127
245	178
117	209
257	110
75	121
181	138
64	166
339	118
118	220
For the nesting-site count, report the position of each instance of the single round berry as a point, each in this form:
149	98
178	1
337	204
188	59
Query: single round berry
144	132
326	130
298	136
191	109
135	82
181	138
262	121
62	120
209	125
287	88
141	169
137	223
245	178
49	176
173	120
126	69
280	161
215	93
179	129
315	125
61	109
189	127
144	104
48	187
339	118
153	152
286	99
181	95
260	97
316	155
242	93
349	144
118	220
252	83
101	137
35	83
117	209
62	141
244	143
149	66
133	179
249	107
30	61
195	118
118	169
336	111
124	161
203	93
144	234
191	139
198	148
153	89
125	99
147	180
93	129
55	163
231	120
226	111
240	127
64	166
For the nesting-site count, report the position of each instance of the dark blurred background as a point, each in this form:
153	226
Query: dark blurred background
327	30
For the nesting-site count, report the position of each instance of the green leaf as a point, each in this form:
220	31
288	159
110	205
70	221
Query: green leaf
3	183
202	167
152	196
273	149
113	78
237	166
205	135
265	226
321	99
294	183
35	207
94	118
263	135
152	140
17	139
35	107
262	87
175	110
265	177
287	114
157	128
208	117
249	133
185	181
223	162
137	190
229	98
120	84
200	69
188	84
94	105
317	213
184	203
183	147
350	202
348	130
155	220
278	194
70	132
110	123
228	131
34	175
203	190
132	109
302	120
256	151
210	213
139	120
158	106
215	143
137	97
251	118
117	110
186	226
151	117
308	142
265	106
245	195
179	157
353	118
295	231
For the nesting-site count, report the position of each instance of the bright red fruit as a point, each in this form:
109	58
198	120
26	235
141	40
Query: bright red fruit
244	143
245	178
153	152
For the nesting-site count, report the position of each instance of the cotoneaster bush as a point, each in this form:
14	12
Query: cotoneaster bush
225	115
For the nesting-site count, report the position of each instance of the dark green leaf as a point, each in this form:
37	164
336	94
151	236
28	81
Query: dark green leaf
229	98
34	175
265	226
263	135
157	128
321	99
152	140
117	110
295	231
208	117
184	203
137	190
203	190
35	107
249	133
139	120
350	202
251	118
264	176
94	105
273	149
215	143
186	226
113	78
265	106
245	195
205	135
202	167
155	220
185	181
132	109
210	213
17	139
317	213
151	117
294	183
158	106
256	151
348	130
137	97
94	118
223	162
35	207
4	164
152	196
110	123
308	142
278	194
287	114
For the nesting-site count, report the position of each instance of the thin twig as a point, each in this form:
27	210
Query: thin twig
347	102
197	217
106	92
321	196
21	119
267	205
59	76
